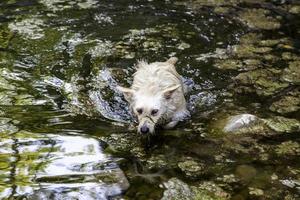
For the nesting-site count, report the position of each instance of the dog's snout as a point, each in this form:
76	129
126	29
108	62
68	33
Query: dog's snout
144	129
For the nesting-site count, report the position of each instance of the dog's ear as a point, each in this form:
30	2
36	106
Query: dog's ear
169	91
127	92
172	60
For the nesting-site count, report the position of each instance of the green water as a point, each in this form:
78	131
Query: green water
66	133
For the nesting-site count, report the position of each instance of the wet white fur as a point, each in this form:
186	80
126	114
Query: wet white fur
157	86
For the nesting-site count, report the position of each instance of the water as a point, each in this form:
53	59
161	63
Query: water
66	132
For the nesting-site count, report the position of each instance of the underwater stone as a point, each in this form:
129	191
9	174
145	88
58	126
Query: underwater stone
183	46
269	43
60	5
288	148
88	4
259	19
221	10
191	168
292	73
240	65
177	190
102	49
157	162
30	28
239	121
197	4
249	51
256	191
210	191
228	64
288	103
295	9
7	126
250	38
265	82
282	124
120	142
289	56
5	98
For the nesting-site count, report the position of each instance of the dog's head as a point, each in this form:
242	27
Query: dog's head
149	108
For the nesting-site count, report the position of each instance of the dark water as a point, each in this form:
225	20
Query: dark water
65	130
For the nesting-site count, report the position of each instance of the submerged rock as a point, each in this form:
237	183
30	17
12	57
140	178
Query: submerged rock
7	126
157	162
31	28
283	125
288	103
191	168
256	191
288	148
60	5
292	73
250	51
210	190
237	122
121	142
229	64
178	190
264	82
259	19
294	9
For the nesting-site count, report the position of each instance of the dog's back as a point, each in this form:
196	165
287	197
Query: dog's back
156	76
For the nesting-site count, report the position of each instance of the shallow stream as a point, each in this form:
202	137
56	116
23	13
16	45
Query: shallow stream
66	132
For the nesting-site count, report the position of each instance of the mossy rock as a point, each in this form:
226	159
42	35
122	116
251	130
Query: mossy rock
292	73
265	82
209	190
290	148
250	51
178	190
239	65
288	103
294	9
228	64
191	168
289	56
197	4
283	125
259	19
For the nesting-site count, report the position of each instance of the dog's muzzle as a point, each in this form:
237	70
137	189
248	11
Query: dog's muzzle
147	125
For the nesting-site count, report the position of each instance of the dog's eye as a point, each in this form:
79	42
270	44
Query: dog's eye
139	111
154	111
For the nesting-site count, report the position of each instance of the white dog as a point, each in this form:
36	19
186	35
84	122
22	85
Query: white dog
156	96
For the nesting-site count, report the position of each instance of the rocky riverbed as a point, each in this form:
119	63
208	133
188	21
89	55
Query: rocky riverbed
66	133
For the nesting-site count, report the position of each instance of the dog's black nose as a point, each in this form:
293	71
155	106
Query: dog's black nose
144	129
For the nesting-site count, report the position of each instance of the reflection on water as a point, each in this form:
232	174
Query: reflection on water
63	166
